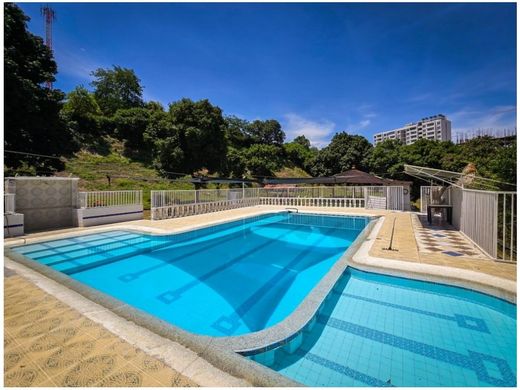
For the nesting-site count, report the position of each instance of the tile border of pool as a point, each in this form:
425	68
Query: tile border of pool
249	343
471	280
219	351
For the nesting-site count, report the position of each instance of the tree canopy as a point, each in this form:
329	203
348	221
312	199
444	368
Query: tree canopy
344	152
267	132
31	109
191	136
117	88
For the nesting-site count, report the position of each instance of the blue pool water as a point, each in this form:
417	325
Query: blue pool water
377	330
225	280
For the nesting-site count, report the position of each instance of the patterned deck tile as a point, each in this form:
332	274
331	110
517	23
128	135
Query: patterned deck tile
415	242
63	357
128	376
88	372
443	239
48	344
25	374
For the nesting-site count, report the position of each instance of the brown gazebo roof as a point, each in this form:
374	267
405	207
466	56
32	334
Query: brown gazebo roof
355	176
352	177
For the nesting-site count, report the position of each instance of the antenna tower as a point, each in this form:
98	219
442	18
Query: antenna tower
49	16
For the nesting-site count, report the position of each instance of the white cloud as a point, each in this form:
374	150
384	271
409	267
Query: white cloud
365	120
366	113
468	120
364	123
75	63
318	132
422	97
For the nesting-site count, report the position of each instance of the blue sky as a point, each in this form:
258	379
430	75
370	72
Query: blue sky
317	68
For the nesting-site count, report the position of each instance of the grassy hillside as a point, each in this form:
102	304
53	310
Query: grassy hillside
112	171
116	172
291	172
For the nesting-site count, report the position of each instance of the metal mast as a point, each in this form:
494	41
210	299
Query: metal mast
49	16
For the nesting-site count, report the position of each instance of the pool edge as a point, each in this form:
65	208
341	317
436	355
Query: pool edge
220	351
458	277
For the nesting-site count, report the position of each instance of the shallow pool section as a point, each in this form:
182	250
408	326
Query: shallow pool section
225	280
376	330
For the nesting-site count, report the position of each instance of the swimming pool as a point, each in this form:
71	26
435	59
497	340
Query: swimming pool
376	330
225	280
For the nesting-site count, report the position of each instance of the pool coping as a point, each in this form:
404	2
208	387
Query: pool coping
220	351
247	344
223	352
476	281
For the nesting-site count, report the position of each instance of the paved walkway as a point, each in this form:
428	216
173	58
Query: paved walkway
409	244
47	344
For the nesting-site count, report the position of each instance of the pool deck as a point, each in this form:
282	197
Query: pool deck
47	344
67	346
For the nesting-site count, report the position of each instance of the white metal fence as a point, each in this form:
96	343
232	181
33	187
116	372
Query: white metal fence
488	218
167	198
181	203
95	199
337	192
384	198
370	197
506	232
172	204
9	203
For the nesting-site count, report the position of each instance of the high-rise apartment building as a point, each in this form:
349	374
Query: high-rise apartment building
436	127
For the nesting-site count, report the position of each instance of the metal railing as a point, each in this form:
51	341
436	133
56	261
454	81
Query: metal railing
167	198
353	192
9	203
180	203
94	199
506	230
488	219
384	198
176	203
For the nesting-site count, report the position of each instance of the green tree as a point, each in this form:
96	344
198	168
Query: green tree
426	153
299	152
82	115
236	163
503	166
492	157
303	141
385	159
263	160
80	102
267	132
31	110
117	88
344	152
130	125
191	137
164	140
237	132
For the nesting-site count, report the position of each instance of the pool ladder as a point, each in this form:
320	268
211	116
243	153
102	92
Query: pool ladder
292	208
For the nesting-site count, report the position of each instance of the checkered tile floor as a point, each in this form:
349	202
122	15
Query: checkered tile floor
442	238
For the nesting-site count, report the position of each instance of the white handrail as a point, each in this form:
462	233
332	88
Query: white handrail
177	203
94	199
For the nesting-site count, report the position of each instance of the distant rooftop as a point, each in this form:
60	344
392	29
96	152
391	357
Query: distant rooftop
350	177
